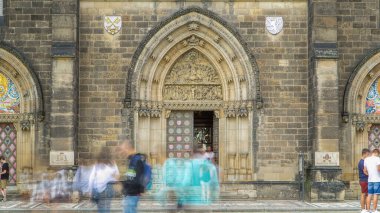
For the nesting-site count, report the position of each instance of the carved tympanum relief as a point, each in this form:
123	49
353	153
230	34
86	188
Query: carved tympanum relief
192	78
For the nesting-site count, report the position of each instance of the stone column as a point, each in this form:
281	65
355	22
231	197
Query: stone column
64	83
324	102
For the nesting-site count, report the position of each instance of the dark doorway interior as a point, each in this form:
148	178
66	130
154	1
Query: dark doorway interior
204	130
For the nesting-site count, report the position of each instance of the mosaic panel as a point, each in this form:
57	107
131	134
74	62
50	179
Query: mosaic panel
374	137
180	134
8	139
9	96
373	99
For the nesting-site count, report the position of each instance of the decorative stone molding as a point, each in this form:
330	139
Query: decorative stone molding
149	109
236	112
193	41
193	105
231	109
193	26
370	118
17	117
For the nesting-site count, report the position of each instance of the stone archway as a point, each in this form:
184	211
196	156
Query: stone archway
223	78
26	120
358	124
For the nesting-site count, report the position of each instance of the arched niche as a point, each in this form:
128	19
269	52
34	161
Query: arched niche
198	31
357	124
28	120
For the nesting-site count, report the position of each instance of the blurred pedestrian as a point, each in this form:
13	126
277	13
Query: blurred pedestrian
103	175
363	180
81	182
41	190
59	186
134	179
209	154
4	177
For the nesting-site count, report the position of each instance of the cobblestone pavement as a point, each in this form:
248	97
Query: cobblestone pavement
221	206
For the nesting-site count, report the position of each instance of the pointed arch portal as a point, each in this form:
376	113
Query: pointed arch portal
361	111
194	62
21	112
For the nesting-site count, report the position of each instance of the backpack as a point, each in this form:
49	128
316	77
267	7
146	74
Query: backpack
138	175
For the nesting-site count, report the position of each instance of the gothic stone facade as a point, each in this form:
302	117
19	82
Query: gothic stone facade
271	95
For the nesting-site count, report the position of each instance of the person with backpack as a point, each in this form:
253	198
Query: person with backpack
135	179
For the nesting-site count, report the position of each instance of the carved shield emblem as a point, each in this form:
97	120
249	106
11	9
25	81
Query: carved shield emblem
112	24
274	24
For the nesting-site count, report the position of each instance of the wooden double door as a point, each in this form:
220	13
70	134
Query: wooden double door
187	130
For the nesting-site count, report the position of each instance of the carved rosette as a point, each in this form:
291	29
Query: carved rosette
192	78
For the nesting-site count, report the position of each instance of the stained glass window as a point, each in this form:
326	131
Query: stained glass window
9	96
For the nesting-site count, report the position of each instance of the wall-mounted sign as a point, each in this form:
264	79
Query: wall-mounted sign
274	24
61	158
326	158
112	24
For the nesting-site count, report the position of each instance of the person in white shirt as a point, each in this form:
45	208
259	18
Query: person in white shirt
104	173
210	155
371	168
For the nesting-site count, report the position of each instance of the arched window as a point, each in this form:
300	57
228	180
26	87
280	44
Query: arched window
372	105
9	96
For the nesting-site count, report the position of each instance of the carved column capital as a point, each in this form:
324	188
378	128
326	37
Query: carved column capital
360	126
25	125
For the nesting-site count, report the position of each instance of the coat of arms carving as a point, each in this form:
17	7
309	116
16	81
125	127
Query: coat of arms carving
112	24
274	24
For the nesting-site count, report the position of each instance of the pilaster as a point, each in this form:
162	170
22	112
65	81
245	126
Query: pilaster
324	101
64	82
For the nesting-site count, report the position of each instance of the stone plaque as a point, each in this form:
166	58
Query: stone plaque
61	158
326	158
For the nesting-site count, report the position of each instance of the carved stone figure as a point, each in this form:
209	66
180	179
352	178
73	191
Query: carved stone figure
193	78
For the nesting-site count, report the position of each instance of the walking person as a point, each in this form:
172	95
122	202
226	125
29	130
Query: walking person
134	179
209	154
4	177
371	168
363	180
103	175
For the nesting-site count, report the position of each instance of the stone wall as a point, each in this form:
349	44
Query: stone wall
28	30
282	61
